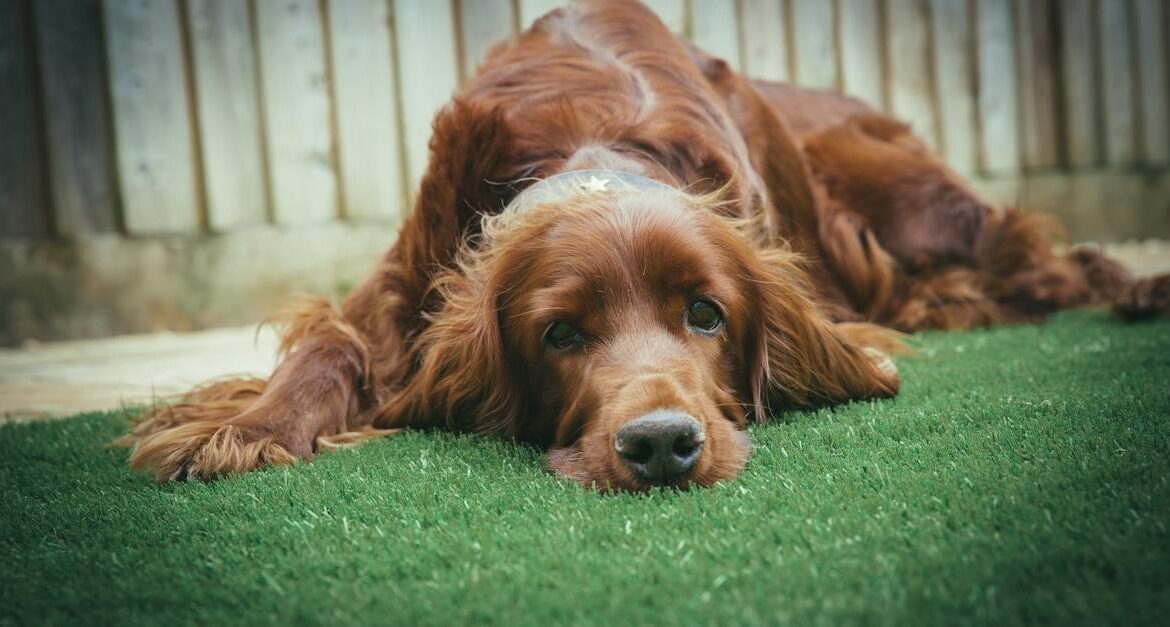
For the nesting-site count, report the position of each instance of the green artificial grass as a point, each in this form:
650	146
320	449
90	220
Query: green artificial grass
1023	476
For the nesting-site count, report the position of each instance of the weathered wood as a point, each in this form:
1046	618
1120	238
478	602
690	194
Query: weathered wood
814	48
911	85
1080	83
77	116
1117	82
673	13
229	112
1098	205
295	102
954	74
764	29
1037	65
427	64
106	285
369	150
532	10
152	119
998	113
715	25
1151	59
24	209
860	44
484	23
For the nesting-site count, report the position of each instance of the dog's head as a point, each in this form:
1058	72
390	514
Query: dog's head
631	331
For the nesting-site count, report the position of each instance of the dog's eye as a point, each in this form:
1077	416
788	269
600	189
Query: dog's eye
704	316
563	336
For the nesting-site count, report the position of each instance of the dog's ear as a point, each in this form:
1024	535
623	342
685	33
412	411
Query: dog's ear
795	357
471	148
470	152
460	377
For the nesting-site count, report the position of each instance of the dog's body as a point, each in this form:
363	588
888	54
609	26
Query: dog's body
634	333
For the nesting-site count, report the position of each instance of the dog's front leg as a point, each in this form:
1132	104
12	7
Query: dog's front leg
313	401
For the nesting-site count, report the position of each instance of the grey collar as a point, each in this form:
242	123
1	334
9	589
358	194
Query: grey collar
566	184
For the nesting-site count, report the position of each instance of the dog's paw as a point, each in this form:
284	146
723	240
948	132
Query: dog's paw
206	450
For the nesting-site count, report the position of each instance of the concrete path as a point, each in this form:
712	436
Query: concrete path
65	378
1145	258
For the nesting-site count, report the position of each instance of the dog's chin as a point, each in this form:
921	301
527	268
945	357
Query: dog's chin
601	472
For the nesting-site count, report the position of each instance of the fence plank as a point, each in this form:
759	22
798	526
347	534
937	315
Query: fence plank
23	193
367	110
860	45
531	10
152	125
1117	82
1080	83
427	63
814	50
484	23
764	31
228	110
998	114
911	88
77	116
1037	65
1151	57
295	101
715	26
673	13
954	74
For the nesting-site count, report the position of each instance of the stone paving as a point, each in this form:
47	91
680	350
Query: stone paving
64	378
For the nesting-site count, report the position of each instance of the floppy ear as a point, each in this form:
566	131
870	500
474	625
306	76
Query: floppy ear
460	377
471	147
798	358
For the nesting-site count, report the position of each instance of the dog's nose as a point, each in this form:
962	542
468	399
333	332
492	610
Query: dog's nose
661	445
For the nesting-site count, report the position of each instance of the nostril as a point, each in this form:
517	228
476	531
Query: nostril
684	446
638	452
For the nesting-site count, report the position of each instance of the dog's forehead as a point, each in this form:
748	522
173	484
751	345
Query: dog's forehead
623	226
644	245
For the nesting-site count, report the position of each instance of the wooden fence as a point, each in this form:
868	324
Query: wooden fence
158	117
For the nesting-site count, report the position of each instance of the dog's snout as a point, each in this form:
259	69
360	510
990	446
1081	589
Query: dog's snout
660	446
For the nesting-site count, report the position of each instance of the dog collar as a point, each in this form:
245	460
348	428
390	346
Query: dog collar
575	182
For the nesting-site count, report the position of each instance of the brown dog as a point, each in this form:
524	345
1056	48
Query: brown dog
700	251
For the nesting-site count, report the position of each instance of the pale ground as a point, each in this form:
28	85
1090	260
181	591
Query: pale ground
65	378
